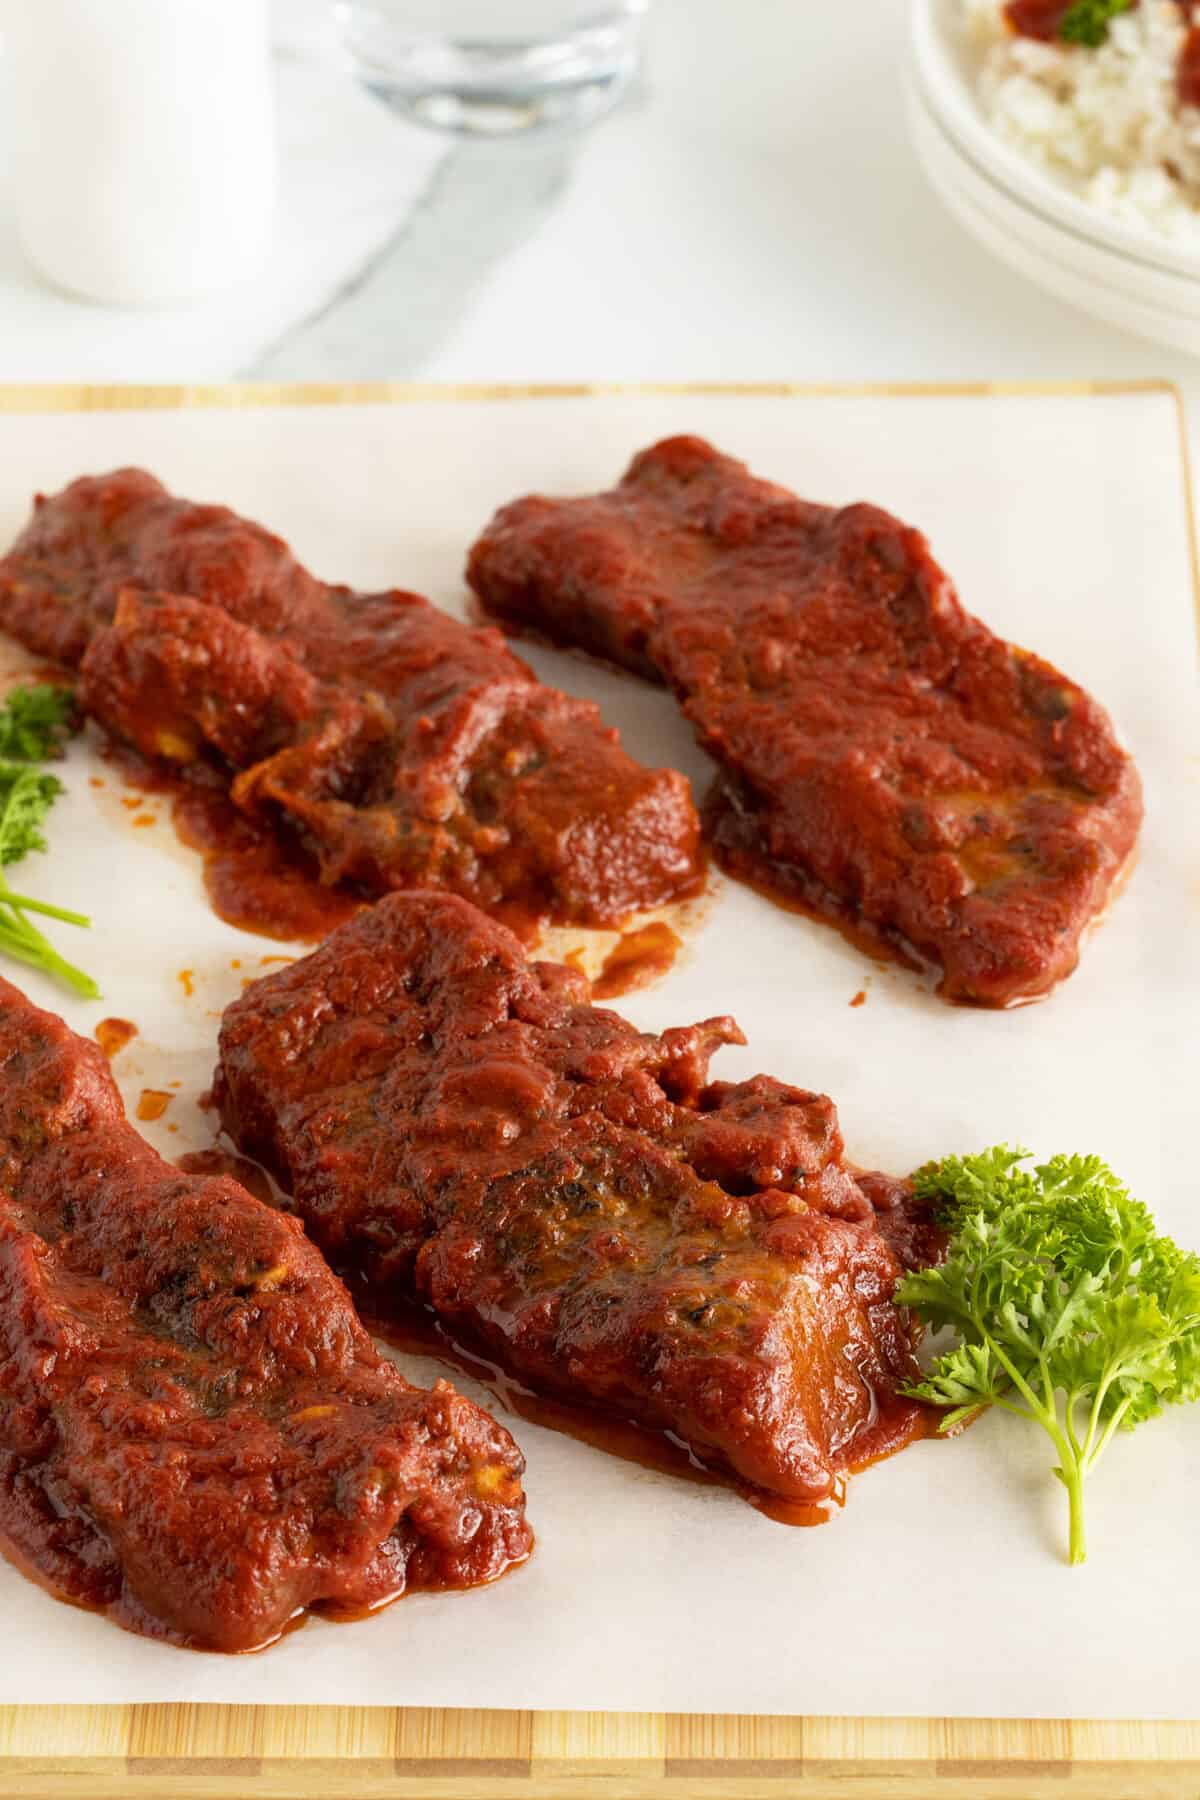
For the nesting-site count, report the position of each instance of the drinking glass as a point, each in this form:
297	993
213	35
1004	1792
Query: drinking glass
493	67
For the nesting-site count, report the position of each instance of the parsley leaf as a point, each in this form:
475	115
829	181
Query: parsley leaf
35	723
1087	21
1070	1309
26	796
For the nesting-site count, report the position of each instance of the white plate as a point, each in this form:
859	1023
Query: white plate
941	1588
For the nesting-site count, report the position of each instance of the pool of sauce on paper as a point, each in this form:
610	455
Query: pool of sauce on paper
112	1035
262	883
253	879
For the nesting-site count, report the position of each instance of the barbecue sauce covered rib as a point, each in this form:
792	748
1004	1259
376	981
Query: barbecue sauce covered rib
196	1433
459	1126
884	759
399	745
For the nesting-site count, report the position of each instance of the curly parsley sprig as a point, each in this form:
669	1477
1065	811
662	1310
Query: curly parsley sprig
1071	1310
35	723
1087	21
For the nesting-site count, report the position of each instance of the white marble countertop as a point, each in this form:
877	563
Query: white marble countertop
753	212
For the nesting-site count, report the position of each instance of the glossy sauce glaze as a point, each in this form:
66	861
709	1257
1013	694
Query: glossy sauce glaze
395	745
459	1128
264	883
417	1332
884	759
796	890
92	1598
254	878
196	1434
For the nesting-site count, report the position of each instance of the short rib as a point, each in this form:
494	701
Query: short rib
884	760
196	1433
400	746
459	1127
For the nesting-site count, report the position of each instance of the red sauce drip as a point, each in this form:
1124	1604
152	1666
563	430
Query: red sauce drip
860	999
265	883
126	1612
153	1103
112	1035
128	1615
637	959
418	1332
21	1563
794	891
254	880
263	891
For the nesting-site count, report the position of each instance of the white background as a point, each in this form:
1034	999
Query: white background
755	213
941	1587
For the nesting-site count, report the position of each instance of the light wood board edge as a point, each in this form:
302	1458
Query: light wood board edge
330	1751
91	397
275	1753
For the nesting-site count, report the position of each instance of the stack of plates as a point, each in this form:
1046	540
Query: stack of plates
1127	276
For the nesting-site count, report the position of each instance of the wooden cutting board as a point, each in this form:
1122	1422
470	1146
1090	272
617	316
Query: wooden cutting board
275	1753
323	1753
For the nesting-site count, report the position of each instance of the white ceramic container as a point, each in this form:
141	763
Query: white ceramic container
1115	271
143	144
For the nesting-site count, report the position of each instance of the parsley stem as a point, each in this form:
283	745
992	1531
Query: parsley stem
1094	1420
1118	1414
1072	1310
1072	1477
1036	1407
24	904
1078	1449
1071	1468
27	944
20	939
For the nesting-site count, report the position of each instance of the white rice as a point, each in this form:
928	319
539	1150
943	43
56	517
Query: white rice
1107	121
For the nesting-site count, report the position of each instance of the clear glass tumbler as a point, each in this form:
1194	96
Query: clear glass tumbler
493	67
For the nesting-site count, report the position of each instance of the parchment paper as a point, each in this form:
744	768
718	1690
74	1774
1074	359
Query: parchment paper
941	1587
